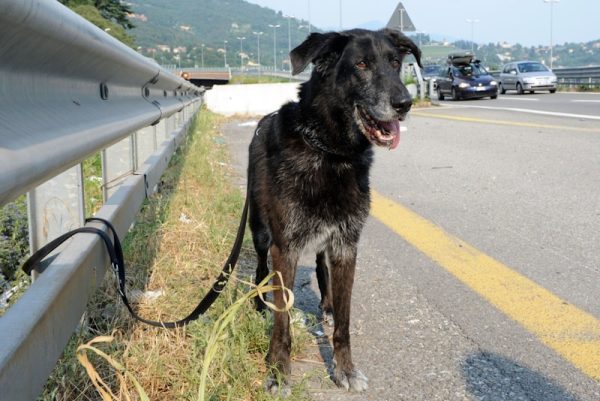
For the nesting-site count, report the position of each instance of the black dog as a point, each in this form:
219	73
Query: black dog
308	174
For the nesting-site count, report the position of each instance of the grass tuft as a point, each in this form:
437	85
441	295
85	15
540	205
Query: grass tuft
173	254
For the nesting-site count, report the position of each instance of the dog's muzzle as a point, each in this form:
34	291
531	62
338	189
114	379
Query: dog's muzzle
379	132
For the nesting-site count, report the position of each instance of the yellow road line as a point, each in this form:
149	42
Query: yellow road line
502	122
571	332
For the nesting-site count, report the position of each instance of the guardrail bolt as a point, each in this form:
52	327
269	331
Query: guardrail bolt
103	91
146	92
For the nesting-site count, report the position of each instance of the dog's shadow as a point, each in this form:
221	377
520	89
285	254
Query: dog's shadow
307	300
491	376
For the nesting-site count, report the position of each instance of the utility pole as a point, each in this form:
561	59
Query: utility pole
289	18
241	52
274	45
551	29
472	22
309	29
258	45
340	15
202	54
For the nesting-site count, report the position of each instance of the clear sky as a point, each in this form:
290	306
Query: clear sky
515	21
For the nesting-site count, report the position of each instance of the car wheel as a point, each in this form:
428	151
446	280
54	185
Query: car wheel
439	93
532	92
494	96
552	90
455	95
519	88
501	87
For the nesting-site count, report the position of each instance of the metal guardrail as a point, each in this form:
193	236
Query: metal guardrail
69	90
581	76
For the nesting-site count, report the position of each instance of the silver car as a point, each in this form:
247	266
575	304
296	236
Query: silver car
526	76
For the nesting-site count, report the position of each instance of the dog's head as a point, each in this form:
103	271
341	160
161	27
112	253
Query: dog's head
360	69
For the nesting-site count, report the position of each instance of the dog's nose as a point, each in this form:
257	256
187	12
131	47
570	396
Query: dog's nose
401	103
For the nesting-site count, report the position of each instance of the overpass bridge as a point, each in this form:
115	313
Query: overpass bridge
205	77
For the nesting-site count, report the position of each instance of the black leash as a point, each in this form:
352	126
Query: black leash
118	265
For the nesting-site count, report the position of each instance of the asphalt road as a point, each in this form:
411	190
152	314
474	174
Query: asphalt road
567	104
478	273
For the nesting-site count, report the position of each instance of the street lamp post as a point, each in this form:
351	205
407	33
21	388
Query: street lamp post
472	22
258	45
420	36
202	54
340	15
551	29
274	45
289	18
225	53
241	52
309	29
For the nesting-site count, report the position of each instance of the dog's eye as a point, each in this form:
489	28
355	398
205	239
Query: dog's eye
361	65
395	63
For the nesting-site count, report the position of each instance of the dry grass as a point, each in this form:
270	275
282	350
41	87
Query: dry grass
179	242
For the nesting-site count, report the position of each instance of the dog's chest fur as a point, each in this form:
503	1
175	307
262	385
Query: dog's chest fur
305	195
322	199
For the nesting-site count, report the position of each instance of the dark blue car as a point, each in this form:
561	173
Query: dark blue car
465	78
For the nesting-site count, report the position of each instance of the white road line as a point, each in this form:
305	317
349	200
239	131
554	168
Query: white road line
584	101
526	99
578	93
546	113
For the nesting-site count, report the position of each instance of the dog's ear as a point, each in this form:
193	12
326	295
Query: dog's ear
319	48
403	43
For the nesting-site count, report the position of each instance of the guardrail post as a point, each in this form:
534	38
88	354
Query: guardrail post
146	144
118	162
55	207
420	82
169	126
431	90
160	131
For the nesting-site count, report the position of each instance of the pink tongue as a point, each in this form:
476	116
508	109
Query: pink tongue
393	127
395	141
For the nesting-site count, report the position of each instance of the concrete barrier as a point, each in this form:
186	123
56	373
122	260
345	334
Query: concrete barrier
257	99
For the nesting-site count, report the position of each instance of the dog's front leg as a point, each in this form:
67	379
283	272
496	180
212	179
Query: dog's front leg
325	288
343	263
278	357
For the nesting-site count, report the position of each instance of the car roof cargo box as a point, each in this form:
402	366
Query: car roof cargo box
462	58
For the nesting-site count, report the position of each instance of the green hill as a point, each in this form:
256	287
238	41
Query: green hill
494	55
166	28
173	32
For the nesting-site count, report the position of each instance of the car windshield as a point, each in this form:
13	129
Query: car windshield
470	70
532	67
431	70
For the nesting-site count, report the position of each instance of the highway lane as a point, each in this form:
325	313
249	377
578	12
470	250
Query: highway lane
520	189
567	104
523	190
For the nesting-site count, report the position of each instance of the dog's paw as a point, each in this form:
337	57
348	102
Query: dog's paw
354	380
278	388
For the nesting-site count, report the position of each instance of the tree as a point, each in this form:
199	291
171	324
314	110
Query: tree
108	15
112	10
